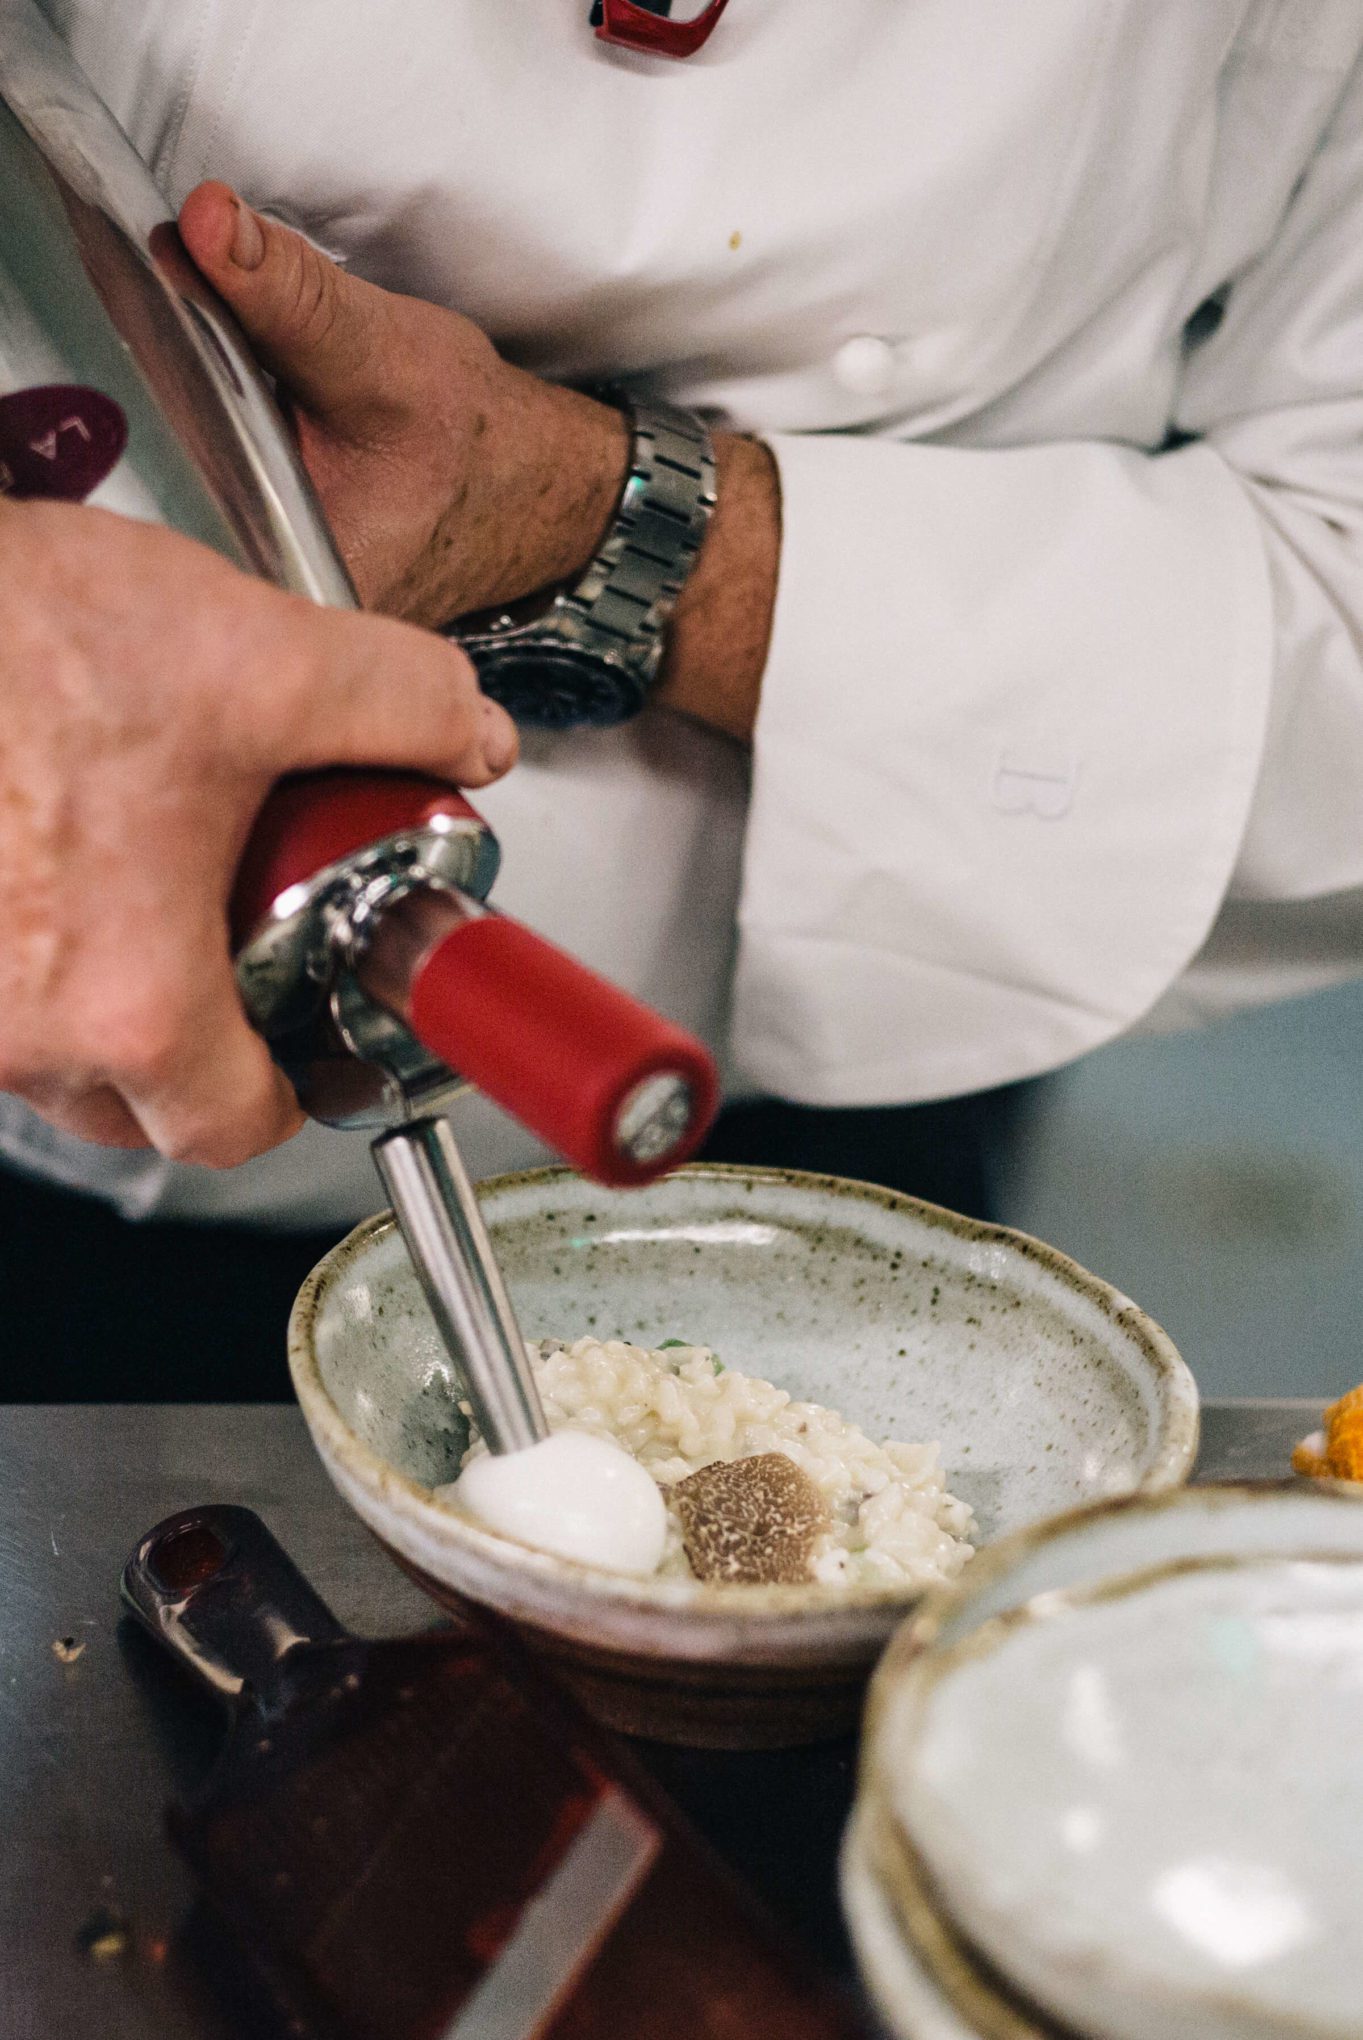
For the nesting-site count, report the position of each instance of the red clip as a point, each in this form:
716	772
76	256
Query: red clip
634	28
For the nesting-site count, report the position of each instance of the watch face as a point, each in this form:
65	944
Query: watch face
554	687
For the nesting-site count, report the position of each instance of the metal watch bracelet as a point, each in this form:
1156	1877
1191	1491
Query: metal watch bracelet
591	655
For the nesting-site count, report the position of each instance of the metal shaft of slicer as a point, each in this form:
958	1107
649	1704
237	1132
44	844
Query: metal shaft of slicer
424	1175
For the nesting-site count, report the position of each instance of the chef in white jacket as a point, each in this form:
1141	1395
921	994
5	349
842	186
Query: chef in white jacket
1048	324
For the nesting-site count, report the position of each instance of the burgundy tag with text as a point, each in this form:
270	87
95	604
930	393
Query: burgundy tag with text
58	440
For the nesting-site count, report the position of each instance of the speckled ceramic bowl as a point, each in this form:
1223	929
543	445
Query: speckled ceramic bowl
1044	1386
1109	1781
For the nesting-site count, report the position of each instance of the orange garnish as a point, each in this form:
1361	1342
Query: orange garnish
1339	1453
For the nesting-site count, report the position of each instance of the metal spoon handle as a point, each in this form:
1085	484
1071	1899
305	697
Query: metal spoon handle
437	1209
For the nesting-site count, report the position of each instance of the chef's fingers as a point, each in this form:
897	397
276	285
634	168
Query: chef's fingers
96	1114
388	693
314	326
202	1085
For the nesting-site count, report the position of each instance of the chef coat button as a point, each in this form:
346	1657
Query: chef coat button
864	366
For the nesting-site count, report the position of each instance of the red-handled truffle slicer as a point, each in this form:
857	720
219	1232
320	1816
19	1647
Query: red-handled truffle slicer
366	953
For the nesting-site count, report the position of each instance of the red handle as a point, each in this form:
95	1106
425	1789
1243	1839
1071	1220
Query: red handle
555	1045
314	819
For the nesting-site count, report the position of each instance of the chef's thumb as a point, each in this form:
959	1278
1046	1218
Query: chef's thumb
312	325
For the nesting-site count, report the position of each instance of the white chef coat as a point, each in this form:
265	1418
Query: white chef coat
1062	724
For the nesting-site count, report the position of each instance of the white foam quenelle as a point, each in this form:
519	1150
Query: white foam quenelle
575	1494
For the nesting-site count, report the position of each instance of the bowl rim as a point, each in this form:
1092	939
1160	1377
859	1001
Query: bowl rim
886	1961
942	1949
1175	1421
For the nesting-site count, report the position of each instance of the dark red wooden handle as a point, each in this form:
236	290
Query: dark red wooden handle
554	1044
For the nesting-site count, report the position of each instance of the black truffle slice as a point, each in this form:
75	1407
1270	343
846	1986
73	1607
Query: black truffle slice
751	1520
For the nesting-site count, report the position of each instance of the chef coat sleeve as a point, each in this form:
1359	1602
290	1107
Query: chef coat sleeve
1037	721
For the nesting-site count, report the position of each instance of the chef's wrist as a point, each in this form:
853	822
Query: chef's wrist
719	634
564	464
544	494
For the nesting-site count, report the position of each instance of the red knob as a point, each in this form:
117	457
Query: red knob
617	1090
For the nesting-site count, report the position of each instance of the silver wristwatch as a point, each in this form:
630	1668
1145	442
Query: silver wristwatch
591	654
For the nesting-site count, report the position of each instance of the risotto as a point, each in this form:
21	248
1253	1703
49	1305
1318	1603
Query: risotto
891	1521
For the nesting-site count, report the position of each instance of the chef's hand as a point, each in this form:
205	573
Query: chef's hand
454	480
451	479
150	696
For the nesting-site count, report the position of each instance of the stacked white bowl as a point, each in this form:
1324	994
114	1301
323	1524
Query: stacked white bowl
1113	1783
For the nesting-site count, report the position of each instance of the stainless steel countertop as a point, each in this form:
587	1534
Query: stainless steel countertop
91	1750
